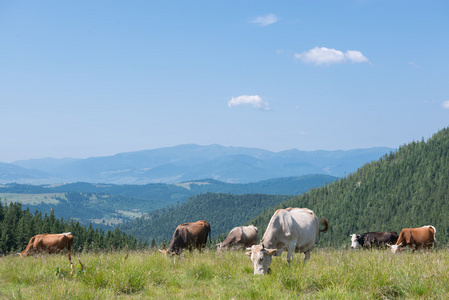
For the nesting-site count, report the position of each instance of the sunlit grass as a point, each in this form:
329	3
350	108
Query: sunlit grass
329	274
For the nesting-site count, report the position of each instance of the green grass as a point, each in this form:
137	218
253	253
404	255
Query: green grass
329	274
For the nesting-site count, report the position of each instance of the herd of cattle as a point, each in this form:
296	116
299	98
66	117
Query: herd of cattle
291	229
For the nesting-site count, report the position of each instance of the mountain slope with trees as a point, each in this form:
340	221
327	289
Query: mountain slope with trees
408	188
222	211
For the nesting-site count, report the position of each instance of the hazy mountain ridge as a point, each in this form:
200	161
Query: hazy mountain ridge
189	162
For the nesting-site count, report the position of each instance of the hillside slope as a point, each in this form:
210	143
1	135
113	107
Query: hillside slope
109	204
409	188
222	211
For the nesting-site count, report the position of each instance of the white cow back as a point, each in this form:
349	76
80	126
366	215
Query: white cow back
294	229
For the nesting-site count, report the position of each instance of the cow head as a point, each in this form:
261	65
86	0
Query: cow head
219	247
354	241
166	252
261	258
395	248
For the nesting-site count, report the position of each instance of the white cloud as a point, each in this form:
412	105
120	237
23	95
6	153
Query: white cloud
254	101
328	56
446	104
355	56
265	20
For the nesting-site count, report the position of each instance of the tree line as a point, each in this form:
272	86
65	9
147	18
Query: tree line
18	225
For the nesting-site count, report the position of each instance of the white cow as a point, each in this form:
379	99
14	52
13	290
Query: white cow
291	229
239	237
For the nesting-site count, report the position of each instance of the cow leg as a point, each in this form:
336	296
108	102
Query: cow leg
70	258
290	256
307	255
290	251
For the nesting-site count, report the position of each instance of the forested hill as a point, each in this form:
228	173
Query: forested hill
17	226
408	188
222	211
109	204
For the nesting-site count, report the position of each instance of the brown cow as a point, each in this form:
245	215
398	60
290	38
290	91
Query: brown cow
188	236
415	238
50	243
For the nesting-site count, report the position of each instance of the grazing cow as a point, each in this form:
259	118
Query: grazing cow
293	229
415	238
50	243
188	236
239	237
373	239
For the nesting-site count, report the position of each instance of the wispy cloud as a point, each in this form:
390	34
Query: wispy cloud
254	101
323	55
414	65
265	20
446	104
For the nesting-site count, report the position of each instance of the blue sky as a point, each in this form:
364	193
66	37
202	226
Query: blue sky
95	78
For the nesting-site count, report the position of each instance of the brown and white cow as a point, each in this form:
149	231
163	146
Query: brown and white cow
51	243
415	238
188	236
239	237
291	229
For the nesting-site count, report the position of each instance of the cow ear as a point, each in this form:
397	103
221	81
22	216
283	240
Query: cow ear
271	252
388	245
248	253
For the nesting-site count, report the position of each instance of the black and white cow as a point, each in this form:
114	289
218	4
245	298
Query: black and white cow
373	239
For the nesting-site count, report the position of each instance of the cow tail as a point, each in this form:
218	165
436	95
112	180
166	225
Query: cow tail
210	235
325	223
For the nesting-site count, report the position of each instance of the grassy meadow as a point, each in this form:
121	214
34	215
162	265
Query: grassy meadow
329	274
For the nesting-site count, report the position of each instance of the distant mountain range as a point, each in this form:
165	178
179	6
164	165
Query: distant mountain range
189	162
